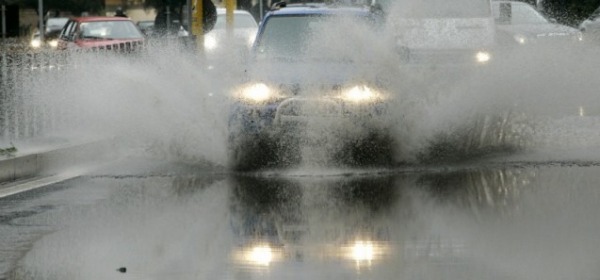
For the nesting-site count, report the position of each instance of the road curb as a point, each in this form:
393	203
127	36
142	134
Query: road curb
52	161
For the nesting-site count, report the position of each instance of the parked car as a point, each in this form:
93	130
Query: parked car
101	33
244	32
520	23
591	26
52	29
443	34
307	90
146	26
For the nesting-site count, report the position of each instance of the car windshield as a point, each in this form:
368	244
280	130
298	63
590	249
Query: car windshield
517	13
109	30
56	23
239	21
302	36
441	8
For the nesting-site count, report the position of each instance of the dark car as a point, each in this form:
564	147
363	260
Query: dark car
520	23
312	91
101	33
146	26
52	29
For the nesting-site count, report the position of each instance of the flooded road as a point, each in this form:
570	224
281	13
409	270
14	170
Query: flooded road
494	176
481	221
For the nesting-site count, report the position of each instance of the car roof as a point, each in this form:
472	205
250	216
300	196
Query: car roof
222	11
100	18
319	9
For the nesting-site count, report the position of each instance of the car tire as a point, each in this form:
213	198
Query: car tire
251	152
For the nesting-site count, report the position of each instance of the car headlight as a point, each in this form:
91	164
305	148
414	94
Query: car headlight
36	43
483	57
53	43
521	39
257	93
251	39
210	42
361	94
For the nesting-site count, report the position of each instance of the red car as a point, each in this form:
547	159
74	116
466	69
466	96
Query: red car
100	33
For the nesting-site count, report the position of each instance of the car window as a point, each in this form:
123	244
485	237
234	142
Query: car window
56	23
109	30
68	30
239	21
517	13
442	9
291	36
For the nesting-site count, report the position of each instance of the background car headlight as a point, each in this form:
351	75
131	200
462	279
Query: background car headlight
53	43
521	39
361	94
210	42
36	43
256	93
483	57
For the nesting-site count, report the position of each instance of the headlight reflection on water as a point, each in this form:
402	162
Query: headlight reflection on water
261	255
362	251
361	94
483	57
258	255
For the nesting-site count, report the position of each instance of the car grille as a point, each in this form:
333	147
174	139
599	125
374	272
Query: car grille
124	47
298	107
441	56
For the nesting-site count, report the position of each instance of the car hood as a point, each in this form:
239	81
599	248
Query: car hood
103	43
538	30
315	73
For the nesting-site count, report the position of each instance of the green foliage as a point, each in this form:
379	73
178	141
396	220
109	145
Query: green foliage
10	151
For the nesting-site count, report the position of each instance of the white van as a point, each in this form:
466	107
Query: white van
442	32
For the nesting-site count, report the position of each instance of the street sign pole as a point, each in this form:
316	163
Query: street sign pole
197	25
230	7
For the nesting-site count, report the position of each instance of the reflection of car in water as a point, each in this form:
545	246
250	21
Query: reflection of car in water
274	226
53	27
520	23
244	32
444	33
308	93
101	33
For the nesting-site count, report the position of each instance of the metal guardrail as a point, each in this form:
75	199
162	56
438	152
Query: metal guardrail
23	111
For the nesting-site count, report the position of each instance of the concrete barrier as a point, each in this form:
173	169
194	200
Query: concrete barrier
53	160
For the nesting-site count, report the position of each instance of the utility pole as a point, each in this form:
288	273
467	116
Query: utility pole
41	19
230	7
3	20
